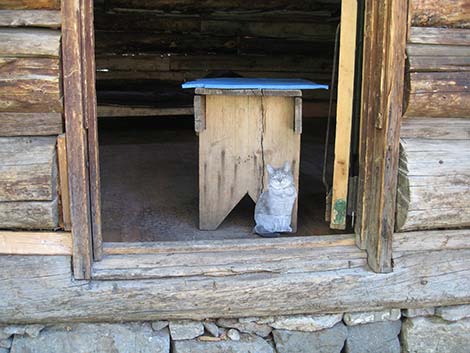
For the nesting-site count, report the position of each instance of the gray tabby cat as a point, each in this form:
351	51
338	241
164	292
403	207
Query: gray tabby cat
273	211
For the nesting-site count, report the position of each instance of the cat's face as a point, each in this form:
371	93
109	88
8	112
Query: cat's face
280	178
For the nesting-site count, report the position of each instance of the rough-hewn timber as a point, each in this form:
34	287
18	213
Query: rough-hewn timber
30	18
434	184
29	215
30	4
30	124
436	128
26	42
42	290
440	13
35	243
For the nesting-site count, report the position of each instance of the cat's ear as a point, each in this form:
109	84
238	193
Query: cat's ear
270	169
286	166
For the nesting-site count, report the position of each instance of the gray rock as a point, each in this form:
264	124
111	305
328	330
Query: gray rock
258	320
159	325
14	330
34	330
95	338
185	329
360	318
375	337
212	328
6	343
247	344
306	323
453	313
435	335
246	326
3	334
418	312
4	350
233	334
325	341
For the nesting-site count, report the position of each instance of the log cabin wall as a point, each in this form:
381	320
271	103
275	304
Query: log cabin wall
434	172
30	113
146	49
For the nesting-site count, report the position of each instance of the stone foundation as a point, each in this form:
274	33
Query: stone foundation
424	330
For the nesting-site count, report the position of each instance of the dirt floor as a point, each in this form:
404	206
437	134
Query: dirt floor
149	180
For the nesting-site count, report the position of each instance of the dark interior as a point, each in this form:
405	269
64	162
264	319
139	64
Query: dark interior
148	149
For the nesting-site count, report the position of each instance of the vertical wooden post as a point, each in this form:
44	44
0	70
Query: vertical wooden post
385	62
347	60
76	138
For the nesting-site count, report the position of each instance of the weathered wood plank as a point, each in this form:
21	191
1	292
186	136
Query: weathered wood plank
30	85
438	94
26	42
440	13
431	240
442	36
30	4
434	184
28	169
344	114
436	128
66	223
29	215
248	92
439	63
76	137
35	243
417	281
229	245
30	18
437	50
129	111
215	264
30	124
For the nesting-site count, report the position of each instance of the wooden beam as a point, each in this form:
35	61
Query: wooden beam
29	215
440	13
64	182
30	18
431	240
381	130
440	36
49	294
114	111
30	124
35	243
344	112
30	4
26	42
435	128
76	137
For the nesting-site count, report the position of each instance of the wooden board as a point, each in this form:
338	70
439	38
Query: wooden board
442	36
440	13
28	169
48	293
132	111
434	184
431	240
30	85
30	18
30	124
30	4
27	42
66	223
436	128
439	63
344	112
233	164
35	243
29	215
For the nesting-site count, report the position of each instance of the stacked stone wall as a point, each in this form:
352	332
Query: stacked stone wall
423	330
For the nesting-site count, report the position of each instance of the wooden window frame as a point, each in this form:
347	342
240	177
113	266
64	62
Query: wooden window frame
381	103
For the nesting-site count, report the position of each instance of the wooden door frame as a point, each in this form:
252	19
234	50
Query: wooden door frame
383	76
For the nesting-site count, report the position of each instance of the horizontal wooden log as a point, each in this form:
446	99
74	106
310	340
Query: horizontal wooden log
28	169
440	13
436	128
439	63
205	6
443	36
29	215
438	94
437	50
35	243
30	4
30	85
48	293
432	240
26	42
30	124
30	18
433	184
130	111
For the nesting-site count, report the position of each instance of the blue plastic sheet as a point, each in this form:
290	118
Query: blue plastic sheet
253	83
